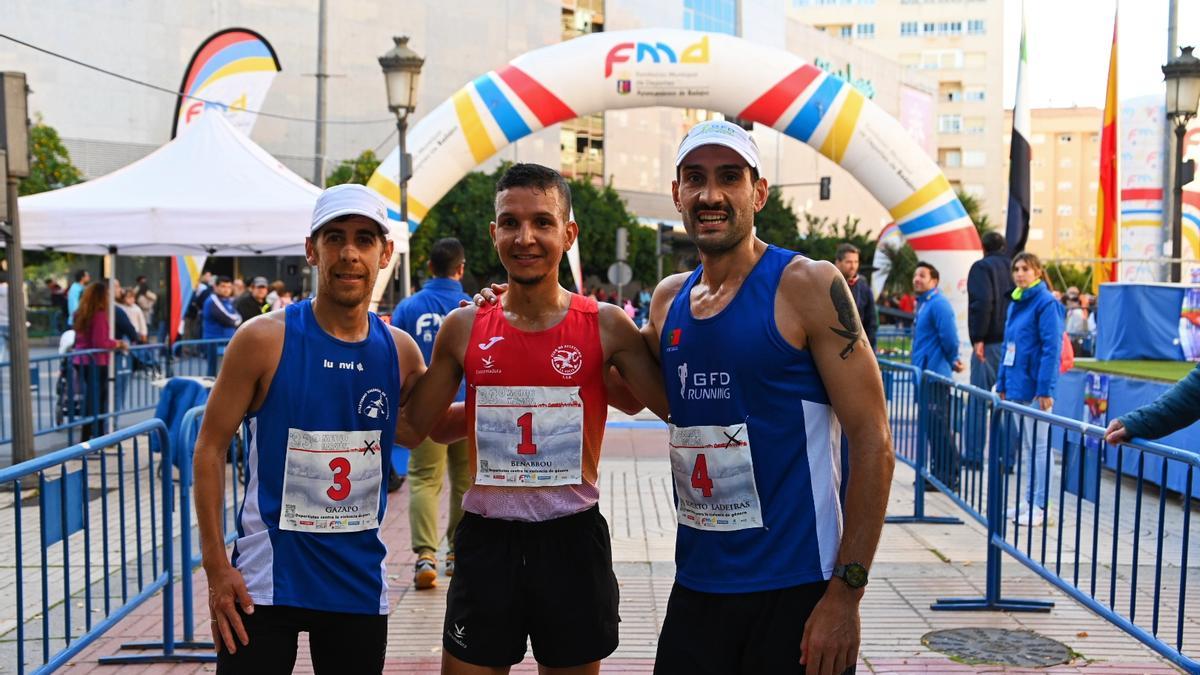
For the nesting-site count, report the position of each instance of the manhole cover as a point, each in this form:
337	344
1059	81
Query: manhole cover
998	645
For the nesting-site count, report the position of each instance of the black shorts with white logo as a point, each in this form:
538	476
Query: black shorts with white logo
749	633
551	581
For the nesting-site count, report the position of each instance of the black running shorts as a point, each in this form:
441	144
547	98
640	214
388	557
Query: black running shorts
338	642
728	633
551	581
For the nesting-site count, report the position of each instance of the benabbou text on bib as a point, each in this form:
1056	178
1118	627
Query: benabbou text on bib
331	481
714	477
528	436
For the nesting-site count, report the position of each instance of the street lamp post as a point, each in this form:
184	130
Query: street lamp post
1182	75
401	73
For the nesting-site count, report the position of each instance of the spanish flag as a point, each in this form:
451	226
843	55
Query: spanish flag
1108	196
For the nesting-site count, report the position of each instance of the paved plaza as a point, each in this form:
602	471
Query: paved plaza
916	565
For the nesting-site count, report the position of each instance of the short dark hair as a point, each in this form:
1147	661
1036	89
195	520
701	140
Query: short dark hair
844	248
80	274
222	279
540	177
445	256
993	241
933	273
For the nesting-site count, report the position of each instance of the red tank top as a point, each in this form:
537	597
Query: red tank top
566	360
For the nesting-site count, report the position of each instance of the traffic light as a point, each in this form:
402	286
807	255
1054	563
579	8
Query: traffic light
825	187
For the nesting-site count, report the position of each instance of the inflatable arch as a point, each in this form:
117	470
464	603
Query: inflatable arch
686	69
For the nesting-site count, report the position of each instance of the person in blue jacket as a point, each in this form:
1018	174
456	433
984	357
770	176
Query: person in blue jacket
1174	410
1028	374
420	316
935	349
220	317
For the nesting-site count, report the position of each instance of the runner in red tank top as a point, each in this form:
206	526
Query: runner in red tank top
533	555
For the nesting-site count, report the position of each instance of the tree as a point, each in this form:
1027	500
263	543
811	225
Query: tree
50	165
776	223
358	170
972	204
902	264
464	213
599	212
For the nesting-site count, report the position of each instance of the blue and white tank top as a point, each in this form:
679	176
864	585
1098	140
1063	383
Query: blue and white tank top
751	417
319	459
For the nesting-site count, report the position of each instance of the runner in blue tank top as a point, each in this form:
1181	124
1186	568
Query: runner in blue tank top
319	384
766	367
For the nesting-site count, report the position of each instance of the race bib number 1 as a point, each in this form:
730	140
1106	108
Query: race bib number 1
528	436
331	481
714	478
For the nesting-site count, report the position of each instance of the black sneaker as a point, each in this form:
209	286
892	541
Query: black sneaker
395	482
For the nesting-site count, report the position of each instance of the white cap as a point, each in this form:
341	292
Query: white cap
349	199
719	132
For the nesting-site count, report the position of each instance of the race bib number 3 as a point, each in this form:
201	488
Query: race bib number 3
528	436
331	481
714	478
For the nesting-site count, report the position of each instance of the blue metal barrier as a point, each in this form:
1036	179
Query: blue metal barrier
124	563
908	418
999	461
197	357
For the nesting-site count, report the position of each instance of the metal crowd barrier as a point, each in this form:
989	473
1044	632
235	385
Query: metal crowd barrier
67	394
104	554
1099	541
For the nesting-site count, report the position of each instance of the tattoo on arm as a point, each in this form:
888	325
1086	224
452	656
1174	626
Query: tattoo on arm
851	328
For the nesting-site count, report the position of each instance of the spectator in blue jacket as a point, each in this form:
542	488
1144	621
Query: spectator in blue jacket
935	349
420	316
935	336
1033	337
220	317
75	292
1174	410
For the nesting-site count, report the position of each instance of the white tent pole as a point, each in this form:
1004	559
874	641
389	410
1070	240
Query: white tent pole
110	272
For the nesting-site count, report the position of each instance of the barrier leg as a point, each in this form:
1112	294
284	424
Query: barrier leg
992	600
922	469
168	644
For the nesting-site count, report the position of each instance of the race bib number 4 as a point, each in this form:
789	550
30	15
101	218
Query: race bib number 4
528	436
714	478
331	481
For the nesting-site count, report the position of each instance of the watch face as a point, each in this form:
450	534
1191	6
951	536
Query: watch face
856	575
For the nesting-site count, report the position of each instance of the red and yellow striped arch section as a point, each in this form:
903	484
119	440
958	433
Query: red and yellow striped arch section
676	68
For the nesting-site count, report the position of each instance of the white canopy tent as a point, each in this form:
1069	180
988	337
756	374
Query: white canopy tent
210	191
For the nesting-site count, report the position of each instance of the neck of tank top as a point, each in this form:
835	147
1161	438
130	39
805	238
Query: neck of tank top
362	322
527	309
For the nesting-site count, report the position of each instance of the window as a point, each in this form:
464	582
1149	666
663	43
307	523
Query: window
909	29
1039	186
955	28
1037	139
846	31
941	58
1065	233
975	27
949	124
976	126
866	2
865	30
974	158
717	16
975	94
950	159
976	60
1064	138
801	3
1065	163
953	95
1065	185
974	189
927	28
1065	210
1036	233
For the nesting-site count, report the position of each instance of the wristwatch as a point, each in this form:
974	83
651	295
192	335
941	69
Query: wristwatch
854	574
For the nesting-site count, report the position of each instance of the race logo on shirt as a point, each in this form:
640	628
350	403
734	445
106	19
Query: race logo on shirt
374	405
566	359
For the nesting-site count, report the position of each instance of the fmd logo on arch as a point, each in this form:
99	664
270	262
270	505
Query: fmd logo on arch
658	52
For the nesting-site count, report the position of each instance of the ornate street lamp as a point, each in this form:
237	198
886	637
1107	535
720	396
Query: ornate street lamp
402	72
1182	75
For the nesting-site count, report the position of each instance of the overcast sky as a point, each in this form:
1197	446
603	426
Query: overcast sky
1068	48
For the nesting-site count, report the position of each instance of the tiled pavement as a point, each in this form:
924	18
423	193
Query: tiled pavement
916	565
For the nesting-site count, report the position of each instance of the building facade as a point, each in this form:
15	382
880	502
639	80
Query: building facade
107	122
960	44
1065	171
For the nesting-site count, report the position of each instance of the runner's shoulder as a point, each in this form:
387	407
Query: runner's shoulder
806	280
669	287
255	340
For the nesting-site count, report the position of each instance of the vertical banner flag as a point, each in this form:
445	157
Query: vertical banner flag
185	274
1106	197
1017	230
231	72
1140	143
